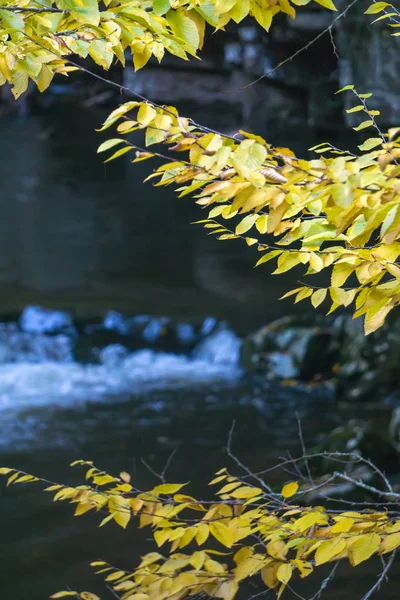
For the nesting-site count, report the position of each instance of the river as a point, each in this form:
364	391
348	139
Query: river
82	237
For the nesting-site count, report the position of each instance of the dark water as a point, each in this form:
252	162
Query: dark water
80	236
85	236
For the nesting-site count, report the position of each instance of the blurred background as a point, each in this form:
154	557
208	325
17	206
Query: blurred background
127	333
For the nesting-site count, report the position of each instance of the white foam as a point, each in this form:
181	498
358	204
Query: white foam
25	384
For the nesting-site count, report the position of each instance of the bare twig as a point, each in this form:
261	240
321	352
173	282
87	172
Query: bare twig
33	10
303	447
382	577
303	48
243	466
161	476
325	582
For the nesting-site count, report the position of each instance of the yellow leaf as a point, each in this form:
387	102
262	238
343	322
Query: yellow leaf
318	297
103	479
212	566
83	507
202	534
222	533
161	536
229	487
305	568
119	153
246	492
197	559
167	488
269	575
290	489
316	262
329	549
327	4
146	114
110	144
120	509
89	596
389	543
287	261
310	519
376	8
284	573
340	274
136	504
277	549
363	548
374	320
116	575
342	525
246	224
5	471
249	566
64	594
226	590
125	476
342	297
262	224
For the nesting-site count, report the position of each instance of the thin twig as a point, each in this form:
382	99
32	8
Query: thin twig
381	578
306	47
240	464
33	10
303	447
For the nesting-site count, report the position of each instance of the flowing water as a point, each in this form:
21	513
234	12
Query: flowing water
118	389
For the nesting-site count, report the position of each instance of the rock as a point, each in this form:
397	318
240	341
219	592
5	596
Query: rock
36	319
139	331
368	365
370	60
369	439
394	429
290	348
221	347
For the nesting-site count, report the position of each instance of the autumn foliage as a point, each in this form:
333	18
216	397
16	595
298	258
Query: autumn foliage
338	211
248	530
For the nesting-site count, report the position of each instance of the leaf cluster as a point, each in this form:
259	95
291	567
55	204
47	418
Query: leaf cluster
261	533
339	211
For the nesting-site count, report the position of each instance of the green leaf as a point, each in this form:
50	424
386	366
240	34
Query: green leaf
370	143
12	21
85	11
248	157
363	125
355	108
345	88
161	7
184	27
110	144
